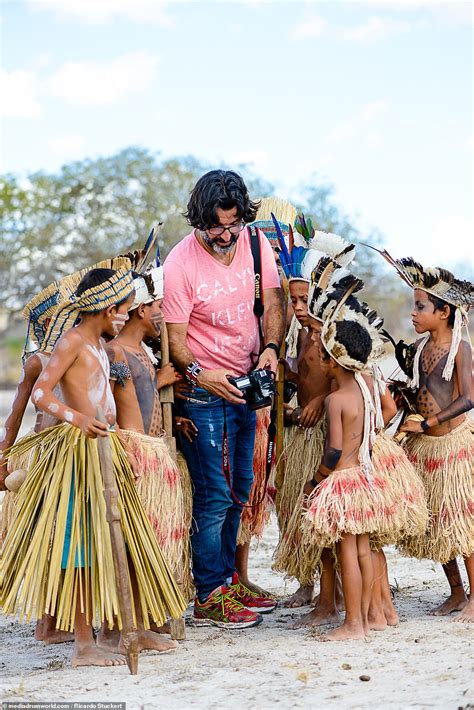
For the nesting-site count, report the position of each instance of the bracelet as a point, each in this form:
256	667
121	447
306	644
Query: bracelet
273	346
193	370
424	424
315	482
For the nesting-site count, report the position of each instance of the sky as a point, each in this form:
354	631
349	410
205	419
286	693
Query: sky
374	97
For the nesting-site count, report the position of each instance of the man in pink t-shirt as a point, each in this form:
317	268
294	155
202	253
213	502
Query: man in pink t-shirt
213	334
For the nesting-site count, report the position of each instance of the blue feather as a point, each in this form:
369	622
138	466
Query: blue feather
285	259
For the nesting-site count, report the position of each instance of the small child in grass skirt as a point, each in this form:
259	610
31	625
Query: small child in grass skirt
439	442
304	438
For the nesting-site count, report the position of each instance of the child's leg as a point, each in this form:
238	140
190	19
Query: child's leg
86	652
457	600
47	632
377	620
242	568
389	610
367	571
325	610
353	626
467	614
301	597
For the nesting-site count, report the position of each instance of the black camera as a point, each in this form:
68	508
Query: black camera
258	388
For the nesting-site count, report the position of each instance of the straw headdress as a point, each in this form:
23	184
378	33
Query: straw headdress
284	213
36	312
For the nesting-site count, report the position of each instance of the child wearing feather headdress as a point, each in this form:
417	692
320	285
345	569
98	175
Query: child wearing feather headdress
305	436
441	443
348	502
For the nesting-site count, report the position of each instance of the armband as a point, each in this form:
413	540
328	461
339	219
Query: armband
331	457
424	424
120	372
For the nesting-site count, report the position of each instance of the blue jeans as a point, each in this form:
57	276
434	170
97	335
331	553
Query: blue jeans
216	515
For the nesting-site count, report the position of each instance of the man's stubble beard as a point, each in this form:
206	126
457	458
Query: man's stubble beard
215	247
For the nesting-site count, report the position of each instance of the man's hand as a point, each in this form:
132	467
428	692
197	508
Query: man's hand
186	427
268	360
311	413
167	375
216	382
90	426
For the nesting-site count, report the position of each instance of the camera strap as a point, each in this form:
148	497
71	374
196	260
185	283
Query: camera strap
271	432
258	307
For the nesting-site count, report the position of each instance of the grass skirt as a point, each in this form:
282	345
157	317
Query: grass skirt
303	452
391	463
33	580
8	509
255	517
345	502
445	465
164	489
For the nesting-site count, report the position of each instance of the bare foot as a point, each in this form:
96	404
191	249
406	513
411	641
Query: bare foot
467	614
165	629
391	615
302	597
47	632
377	621
455	602
345	633
317	617
109	639
151	641
92	655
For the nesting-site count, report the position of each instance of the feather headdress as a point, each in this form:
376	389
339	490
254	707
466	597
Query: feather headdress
306	246
443	284
285	215
149	285
36	312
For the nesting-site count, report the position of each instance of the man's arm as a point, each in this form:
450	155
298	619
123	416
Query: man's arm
214	381
43	395
274	320
30	373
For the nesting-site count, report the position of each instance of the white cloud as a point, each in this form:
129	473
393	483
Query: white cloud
19	92
376	28
68	145
311	26
102	83
357	124
101	12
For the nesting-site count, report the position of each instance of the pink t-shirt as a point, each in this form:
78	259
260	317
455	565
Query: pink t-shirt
217	301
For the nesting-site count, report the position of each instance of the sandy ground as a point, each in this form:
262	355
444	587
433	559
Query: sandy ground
423	663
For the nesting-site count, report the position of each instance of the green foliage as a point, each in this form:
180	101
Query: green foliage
53	224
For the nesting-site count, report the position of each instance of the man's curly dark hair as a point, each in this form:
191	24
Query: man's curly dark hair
222	189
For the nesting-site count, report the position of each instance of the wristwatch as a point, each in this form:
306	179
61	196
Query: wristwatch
193	371
273	346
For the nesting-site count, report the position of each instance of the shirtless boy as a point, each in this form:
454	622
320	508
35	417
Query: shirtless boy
441	446
61	528
136	382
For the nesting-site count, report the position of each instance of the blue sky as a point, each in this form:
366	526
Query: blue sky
376	97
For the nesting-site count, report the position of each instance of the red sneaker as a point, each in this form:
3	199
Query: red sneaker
222	609
251	600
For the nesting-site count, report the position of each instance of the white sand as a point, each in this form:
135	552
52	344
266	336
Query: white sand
422	663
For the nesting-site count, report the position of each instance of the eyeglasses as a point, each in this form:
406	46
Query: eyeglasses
232	228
